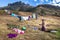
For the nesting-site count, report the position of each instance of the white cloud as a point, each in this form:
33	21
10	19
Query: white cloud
35	0
50	2
46	0
37	4
57	0
54	2
42	0
26	2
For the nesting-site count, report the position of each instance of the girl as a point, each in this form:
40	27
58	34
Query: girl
43	27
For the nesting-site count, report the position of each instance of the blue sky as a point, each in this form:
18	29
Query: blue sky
31	2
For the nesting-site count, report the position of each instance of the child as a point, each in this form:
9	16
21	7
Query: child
43	27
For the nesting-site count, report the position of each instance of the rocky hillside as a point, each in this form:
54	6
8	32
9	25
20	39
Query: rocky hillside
47	9
20	6
40	9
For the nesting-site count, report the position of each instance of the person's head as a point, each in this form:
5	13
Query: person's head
42	19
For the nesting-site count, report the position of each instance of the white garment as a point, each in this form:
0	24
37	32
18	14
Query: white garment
25	18
34	15
53	31
6	10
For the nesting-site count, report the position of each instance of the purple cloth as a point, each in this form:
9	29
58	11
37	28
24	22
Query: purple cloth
35	28
11	35
29	18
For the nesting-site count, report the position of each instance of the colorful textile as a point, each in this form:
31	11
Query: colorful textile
34	15
14	15
22	18
43	28
24	28
12	35
35	28
29	17
18	31
25	18
6	10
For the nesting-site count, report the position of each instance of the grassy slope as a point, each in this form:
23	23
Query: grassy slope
51	22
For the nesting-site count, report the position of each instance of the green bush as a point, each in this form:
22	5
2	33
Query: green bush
16	12
42	12
58	33
12	26
2	12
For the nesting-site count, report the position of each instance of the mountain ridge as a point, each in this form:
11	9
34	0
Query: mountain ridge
20	6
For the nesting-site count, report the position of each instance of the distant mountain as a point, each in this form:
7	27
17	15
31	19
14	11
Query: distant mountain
40	9
47	9
50	6
17	6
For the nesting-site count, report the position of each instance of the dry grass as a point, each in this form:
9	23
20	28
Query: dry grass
51	22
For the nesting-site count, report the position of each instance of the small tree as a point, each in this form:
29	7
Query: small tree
42	12
55	14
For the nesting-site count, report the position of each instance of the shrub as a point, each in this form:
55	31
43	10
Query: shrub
2	12
42	12
16	12
58	33
12	26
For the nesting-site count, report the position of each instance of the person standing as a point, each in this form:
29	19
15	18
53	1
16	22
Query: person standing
43	25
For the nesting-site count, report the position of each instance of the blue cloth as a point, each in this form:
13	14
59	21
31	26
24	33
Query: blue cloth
35	28
14	15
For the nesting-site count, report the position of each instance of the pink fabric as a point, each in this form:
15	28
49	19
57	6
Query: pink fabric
18	31
15	30
22	32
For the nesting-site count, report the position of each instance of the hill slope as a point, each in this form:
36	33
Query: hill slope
47	9
40	9
51	22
